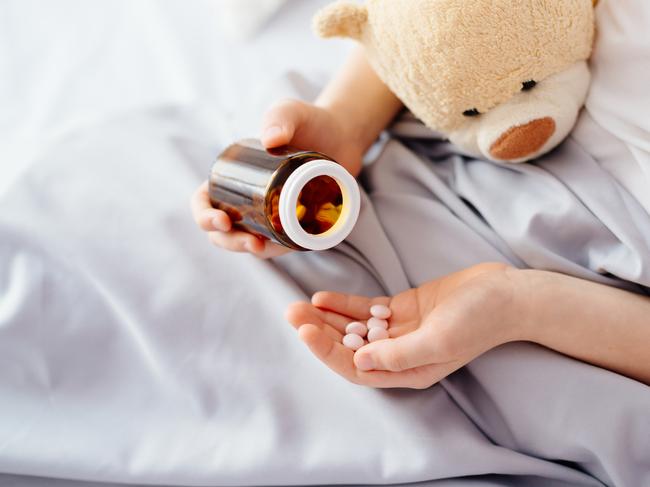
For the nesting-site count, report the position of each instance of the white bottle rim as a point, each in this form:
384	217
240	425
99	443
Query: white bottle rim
289	200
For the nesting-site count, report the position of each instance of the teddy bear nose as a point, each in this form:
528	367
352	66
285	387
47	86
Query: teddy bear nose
523	140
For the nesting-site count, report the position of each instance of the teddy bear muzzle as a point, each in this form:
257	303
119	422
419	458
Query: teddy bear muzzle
522	141
530	124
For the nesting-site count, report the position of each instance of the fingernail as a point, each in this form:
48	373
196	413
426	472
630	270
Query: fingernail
365	362
272	132
216	224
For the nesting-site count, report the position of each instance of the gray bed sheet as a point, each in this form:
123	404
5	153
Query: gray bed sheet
134	352
131	352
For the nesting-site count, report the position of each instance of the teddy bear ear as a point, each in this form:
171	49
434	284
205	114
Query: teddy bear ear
341	19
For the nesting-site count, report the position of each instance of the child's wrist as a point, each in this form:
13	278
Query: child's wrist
544	302
352	130
523	319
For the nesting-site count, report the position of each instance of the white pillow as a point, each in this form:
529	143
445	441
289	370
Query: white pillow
241	19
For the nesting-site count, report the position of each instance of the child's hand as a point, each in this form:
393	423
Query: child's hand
221	232
310	127
293	123
434	329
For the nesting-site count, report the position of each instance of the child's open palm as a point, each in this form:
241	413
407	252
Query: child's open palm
435	329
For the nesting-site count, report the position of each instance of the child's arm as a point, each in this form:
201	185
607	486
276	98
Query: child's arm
345	120
591	322
445	324
343	123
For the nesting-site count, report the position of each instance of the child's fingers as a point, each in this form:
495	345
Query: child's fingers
271	250
300	313
200	200
329	351
205	216
415	349
357	307
340	359
214	220
281	122
220	221
236	241
419	378
239	241
336	320
392	380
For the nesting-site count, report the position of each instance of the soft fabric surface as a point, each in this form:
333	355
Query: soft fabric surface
240	19
131	351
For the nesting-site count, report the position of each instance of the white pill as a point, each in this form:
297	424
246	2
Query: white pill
380	311
375	334
377	323
356	328
353	342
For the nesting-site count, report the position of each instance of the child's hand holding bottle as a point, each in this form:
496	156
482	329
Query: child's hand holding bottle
343	123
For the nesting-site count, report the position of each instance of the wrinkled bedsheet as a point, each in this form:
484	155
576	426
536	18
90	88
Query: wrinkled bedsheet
133	352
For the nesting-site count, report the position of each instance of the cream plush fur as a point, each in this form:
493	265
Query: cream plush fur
444	58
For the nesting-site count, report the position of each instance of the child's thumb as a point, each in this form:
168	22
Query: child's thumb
281	122
397	354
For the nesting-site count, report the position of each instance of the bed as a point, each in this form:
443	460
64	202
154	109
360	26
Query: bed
133	353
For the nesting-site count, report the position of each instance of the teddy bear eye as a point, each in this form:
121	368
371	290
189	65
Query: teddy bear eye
471	113
528	85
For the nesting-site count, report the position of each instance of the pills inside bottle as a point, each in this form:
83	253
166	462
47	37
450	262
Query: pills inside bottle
300	199
319	206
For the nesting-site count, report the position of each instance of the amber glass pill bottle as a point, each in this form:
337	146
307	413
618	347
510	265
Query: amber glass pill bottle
300	199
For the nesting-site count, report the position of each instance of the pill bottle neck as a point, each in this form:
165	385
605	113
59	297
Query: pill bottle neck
275	186
347	212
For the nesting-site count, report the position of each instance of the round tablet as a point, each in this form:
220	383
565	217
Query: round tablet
375	334
377	323
353	342
380	311
356	328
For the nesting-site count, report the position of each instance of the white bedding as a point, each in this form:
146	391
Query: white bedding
70	64
159	76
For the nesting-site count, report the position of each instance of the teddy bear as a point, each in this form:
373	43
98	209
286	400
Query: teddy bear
501	79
